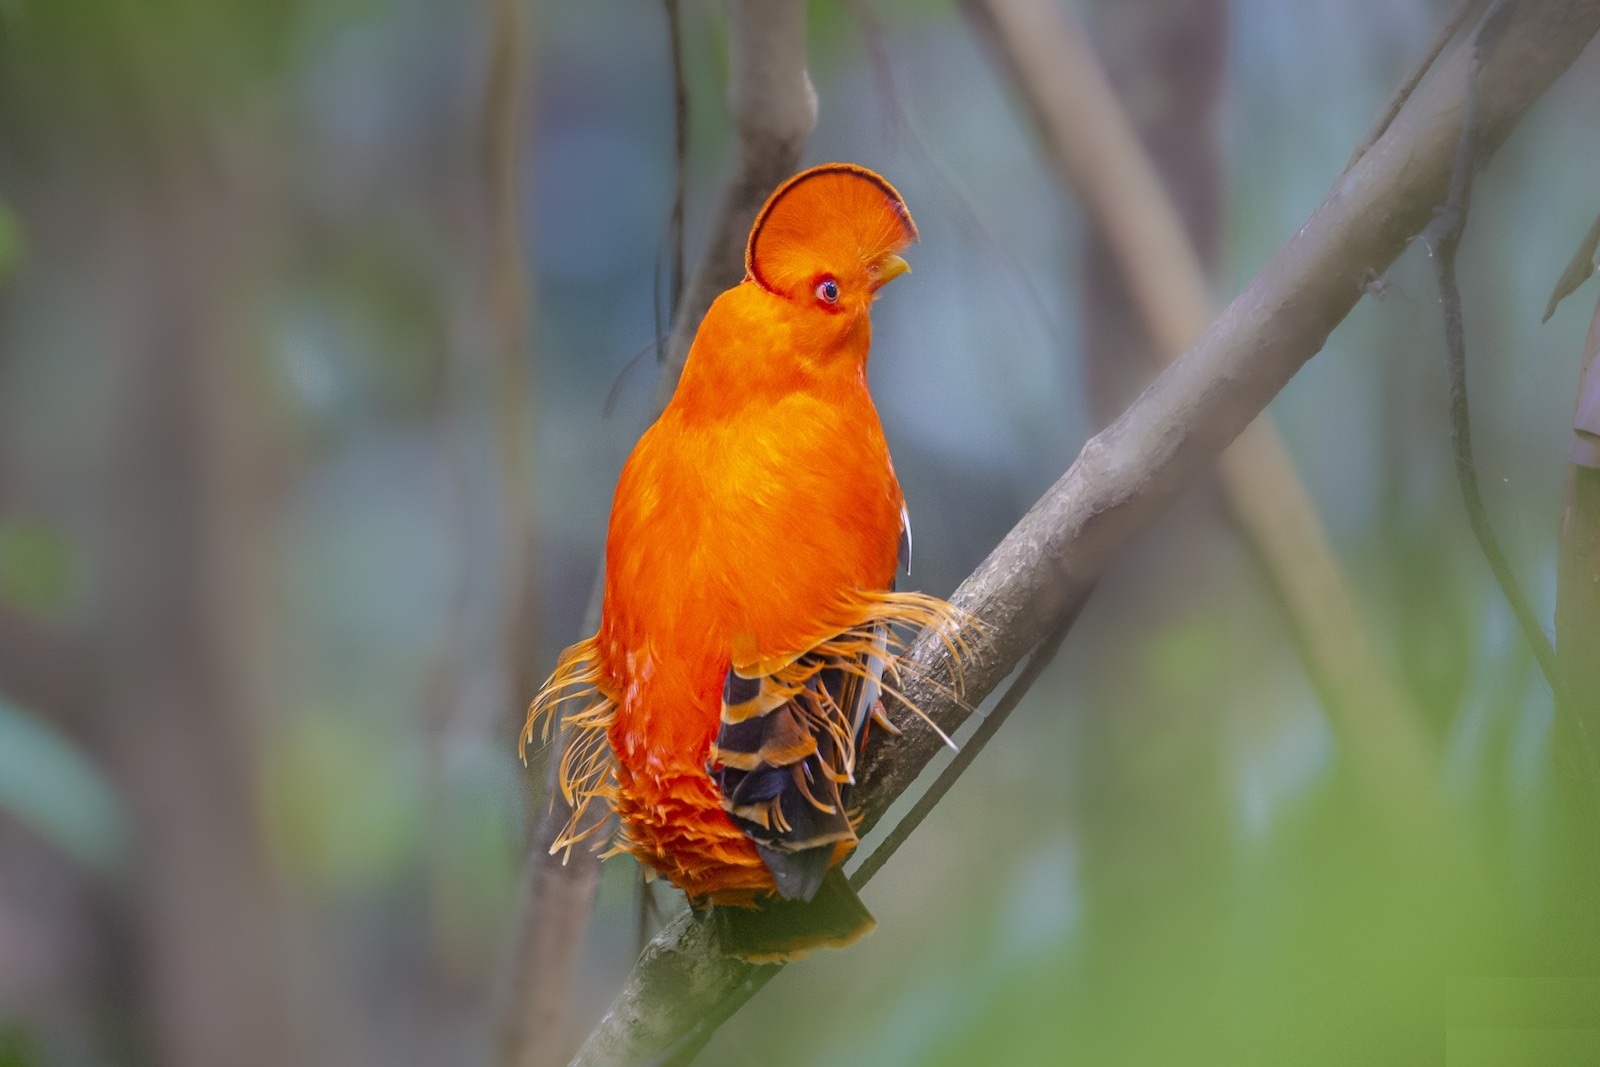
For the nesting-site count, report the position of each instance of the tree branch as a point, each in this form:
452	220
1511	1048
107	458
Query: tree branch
1447	33
556	899
1042	656
1098	154
1126	475
1445	235
686	1047
536	988
774	110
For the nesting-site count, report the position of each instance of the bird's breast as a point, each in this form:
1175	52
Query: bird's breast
743	538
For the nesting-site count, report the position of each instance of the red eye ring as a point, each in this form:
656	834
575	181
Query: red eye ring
828	291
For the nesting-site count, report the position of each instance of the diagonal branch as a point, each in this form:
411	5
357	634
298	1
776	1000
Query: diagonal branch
1130	472
1097	153
1447	33
689	1044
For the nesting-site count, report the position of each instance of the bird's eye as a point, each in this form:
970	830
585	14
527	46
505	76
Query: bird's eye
828	291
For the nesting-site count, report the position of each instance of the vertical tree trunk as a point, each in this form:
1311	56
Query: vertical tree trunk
176	541
774	109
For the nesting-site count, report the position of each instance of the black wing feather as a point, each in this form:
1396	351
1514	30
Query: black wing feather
784	758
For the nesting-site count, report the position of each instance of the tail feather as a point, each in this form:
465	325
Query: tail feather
798	874
779	931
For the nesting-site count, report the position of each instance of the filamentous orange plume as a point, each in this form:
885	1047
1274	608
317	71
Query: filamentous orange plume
750	621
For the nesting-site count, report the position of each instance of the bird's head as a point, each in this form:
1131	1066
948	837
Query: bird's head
828	240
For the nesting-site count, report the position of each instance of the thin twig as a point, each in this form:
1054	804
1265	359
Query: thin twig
996	717
1444	238
680	149
645	909
672	238
1447	33
957	203
1130	472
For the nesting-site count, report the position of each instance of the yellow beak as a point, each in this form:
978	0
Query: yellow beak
889	268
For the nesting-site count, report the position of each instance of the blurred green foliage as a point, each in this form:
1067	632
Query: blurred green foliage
35	567
18	1048
1187	655
11	247
340	802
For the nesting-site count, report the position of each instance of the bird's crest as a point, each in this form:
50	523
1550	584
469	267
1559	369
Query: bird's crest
837	215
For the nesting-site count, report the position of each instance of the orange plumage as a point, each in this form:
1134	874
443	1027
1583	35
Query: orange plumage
749	616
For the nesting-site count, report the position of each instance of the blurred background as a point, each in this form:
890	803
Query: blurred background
281	458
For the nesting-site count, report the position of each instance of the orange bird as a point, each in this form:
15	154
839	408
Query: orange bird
750	618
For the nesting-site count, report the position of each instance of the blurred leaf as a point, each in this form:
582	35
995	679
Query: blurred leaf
1580	268
35	566
18	1048
10	242
342	801
1190	654
364	337
46	784
133	72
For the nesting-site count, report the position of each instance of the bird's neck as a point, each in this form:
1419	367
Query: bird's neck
753	347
